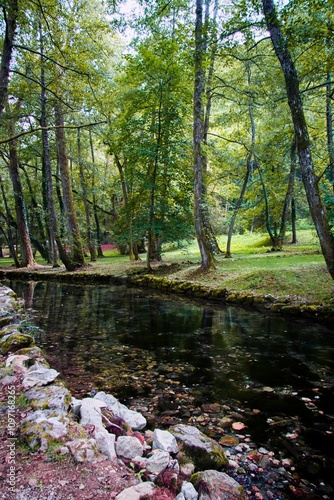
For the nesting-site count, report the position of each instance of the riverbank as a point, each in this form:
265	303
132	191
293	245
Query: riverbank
292	284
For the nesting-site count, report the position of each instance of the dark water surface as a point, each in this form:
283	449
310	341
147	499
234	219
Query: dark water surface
169	356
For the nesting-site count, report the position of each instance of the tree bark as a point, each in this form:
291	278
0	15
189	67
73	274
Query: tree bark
96	218
27	257
310	181
200	207
90	242
9	220
10	13
77	258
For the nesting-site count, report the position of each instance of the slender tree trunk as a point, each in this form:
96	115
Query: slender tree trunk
9	220
10	12
27	257
40	243
310	181
228	254
208	95
200	207
329	124
90	242
293	222
133	247
51	217
289	193
248	170
77	254
96	217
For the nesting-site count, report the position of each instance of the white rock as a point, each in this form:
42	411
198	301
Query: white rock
165	441
39	375
189	491
134	419
17	363
90	412
105	442
158	462
137	492
128	447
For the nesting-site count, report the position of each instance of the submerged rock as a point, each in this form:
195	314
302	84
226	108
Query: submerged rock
212	485
204	451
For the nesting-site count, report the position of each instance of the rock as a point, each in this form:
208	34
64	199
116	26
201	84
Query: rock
105	442
39	375
84	450
15	341
212	485
158	462
137	492
41	427
187	469
128	447
54	396
165	441
229	440
18	363
134	419
32	352
204	451
8	380
188	491
90	412
180	496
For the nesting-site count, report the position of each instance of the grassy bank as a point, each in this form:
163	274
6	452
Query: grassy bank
296	275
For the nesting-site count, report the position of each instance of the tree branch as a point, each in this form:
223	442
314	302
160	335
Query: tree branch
51	127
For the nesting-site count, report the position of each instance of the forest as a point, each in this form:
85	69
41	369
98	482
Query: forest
147	123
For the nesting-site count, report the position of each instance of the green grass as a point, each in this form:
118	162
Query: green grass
298	272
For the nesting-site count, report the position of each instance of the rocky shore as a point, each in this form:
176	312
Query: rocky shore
54	446
160	280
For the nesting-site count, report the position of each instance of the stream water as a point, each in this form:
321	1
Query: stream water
180	360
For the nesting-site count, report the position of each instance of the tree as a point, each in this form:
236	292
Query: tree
10	13
200	202
311	182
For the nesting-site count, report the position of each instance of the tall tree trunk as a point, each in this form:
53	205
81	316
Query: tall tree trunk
248	170
96	217
329	126
200	207
290	189
51	217
228	254
90	242
27	257
77	258
10	12
310	180
208	94
293	222
9	221
133	247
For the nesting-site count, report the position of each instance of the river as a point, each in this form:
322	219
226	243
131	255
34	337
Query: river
176	359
